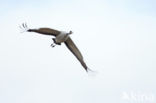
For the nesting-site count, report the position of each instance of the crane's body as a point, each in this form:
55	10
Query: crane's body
62	37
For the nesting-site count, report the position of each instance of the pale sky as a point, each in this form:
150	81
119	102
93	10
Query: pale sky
116	38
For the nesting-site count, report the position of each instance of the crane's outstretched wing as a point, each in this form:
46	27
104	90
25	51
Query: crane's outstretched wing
72	47
45	31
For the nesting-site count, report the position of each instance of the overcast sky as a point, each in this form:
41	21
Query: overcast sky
116	37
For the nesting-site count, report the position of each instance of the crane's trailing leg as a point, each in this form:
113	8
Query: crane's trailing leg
54	43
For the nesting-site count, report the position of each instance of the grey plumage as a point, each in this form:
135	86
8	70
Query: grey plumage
68	41
45	31
72	47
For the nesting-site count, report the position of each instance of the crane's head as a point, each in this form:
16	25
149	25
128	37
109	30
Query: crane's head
70	32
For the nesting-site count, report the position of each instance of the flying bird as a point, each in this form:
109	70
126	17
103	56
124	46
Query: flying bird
60	37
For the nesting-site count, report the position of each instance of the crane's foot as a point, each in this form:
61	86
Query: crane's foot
53	45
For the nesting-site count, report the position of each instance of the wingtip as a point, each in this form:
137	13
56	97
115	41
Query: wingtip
23	27
91	72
